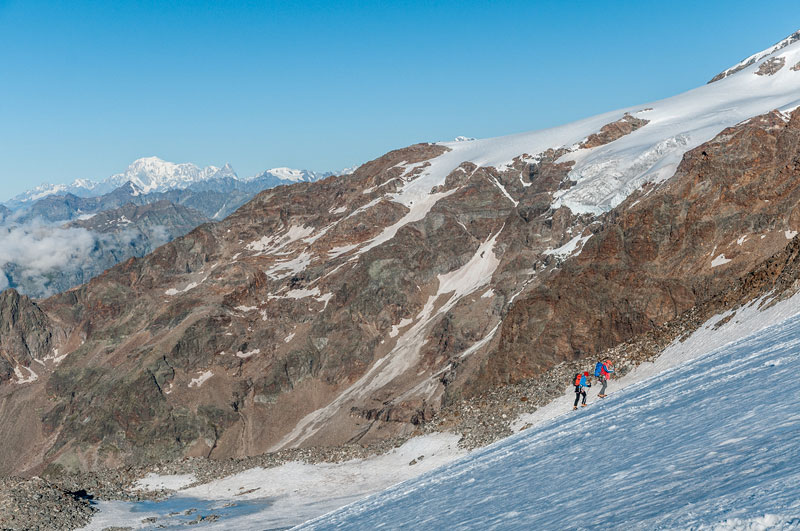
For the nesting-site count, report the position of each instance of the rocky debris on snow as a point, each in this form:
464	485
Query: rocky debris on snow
796	67
771	66
38	504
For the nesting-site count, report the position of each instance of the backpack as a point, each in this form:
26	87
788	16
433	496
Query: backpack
598	369
577	381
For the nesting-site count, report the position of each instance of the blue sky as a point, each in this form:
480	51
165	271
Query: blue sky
87	87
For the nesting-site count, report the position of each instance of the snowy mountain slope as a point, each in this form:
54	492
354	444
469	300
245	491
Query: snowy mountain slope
607	174
794	37
713	443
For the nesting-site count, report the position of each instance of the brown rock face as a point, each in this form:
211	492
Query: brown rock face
771	67
730	205
610	132
25	335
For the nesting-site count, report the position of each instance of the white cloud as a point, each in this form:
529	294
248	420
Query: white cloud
35	250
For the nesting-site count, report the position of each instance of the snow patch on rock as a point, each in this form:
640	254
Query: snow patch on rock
245	355
719	260
201	379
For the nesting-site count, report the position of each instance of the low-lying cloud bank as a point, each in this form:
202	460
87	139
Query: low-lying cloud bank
36	251
40	259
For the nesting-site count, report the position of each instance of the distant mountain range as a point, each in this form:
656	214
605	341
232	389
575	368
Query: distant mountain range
152	174
127	215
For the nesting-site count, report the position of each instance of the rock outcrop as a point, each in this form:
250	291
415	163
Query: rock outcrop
613	131
770	67
26	335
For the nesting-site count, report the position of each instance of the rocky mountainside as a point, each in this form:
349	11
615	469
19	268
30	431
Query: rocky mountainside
126	232
351	309
766	66
215	199
66	207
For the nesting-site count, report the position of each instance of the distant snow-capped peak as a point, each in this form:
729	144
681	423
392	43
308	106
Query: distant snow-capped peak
152	174
295	176
289	174
147	174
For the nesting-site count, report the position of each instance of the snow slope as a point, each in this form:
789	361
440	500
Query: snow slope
711	444
607	174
